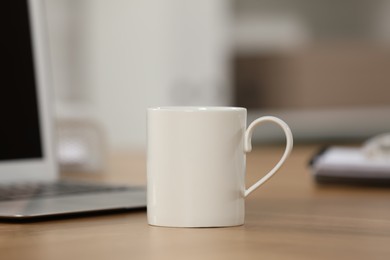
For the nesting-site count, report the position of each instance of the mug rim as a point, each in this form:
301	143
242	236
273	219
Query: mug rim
197	108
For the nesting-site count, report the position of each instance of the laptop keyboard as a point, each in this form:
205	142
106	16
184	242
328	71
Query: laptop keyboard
55	189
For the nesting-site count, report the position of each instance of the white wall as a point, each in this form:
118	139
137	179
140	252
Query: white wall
115	58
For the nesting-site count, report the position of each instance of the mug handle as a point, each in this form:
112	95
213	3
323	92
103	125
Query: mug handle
248	147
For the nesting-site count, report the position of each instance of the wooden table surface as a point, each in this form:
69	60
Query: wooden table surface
290	217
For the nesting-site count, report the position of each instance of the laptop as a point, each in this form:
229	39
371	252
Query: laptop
30	187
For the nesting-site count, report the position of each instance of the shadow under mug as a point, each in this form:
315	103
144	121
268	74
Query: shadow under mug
196	165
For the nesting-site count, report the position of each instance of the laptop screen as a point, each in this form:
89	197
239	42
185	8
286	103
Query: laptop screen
20	136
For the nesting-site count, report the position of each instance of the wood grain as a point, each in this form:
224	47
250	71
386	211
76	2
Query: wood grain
290	217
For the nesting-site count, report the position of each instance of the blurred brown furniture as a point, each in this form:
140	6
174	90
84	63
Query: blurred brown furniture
290	217
321	76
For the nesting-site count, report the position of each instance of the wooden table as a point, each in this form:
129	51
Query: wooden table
290	217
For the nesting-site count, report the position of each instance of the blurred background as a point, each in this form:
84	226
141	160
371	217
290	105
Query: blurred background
322	66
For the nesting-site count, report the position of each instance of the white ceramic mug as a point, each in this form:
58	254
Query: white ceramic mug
196	165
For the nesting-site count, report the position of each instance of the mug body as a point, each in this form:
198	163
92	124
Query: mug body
195	166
